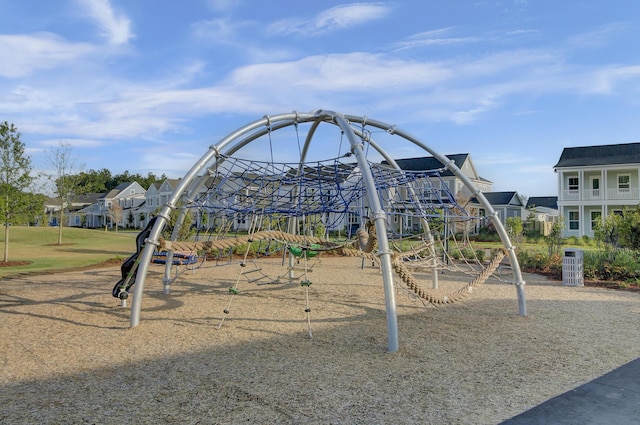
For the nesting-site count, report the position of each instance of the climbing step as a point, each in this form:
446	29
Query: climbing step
255	279
300	269
250	271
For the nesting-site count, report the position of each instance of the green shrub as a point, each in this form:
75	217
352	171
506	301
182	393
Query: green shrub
536	261
618	265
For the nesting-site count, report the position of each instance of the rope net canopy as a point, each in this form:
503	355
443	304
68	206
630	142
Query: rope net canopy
325	192
359	191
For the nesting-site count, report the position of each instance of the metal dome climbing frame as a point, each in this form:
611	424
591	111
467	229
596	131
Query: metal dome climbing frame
357	131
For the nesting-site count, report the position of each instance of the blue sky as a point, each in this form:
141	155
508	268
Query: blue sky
149	85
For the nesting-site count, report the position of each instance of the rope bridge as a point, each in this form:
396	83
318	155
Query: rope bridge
363	247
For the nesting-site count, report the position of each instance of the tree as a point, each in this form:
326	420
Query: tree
607	231
515	229
115	214
93	181
65	179
15	177
629	228
32	213
554	238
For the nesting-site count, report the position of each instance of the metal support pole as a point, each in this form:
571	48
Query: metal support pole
379	220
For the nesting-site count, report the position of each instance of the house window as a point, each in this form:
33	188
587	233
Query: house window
618	212
574	220
573	183
595	219
623	182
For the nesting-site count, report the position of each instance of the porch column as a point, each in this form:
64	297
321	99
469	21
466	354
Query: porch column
560	180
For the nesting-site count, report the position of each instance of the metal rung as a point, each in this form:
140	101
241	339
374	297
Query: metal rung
251	271
298	269
256	279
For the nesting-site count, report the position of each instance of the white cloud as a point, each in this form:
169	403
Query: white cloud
74	143
220	30
599	37
115	26
337	72
459	90
333	19
223	5
432	38
25	54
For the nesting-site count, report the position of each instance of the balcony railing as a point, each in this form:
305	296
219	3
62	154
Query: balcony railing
601	194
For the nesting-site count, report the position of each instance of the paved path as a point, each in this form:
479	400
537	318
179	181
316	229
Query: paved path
612	399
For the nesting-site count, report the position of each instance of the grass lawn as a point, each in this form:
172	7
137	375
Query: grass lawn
80	248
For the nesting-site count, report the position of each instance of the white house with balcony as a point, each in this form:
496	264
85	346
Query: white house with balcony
156	196
129	196
594	182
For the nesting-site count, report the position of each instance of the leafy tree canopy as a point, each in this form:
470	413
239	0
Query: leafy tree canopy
99	181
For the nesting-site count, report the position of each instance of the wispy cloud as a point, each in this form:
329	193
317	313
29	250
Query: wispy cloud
25	54
334	19
352	71
223	5
432	38
219	30
605	80
459	90
113	25
75	143
599	37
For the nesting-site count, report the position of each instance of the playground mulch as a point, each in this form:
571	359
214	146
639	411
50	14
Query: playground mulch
68	356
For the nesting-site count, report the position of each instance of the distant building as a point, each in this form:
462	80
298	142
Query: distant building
449	179
545	212
505	204
76	204
594	182
128	196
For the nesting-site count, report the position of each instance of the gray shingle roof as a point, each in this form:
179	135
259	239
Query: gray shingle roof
625	153
543	201
430	163
499	198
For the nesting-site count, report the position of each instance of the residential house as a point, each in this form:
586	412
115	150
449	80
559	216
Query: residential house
443	184
144	213
448	180
155	197
594	182
76	203
228	202
505	204
128	196
544	211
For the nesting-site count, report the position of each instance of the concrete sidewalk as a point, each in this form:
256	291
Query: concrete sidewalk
612	399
